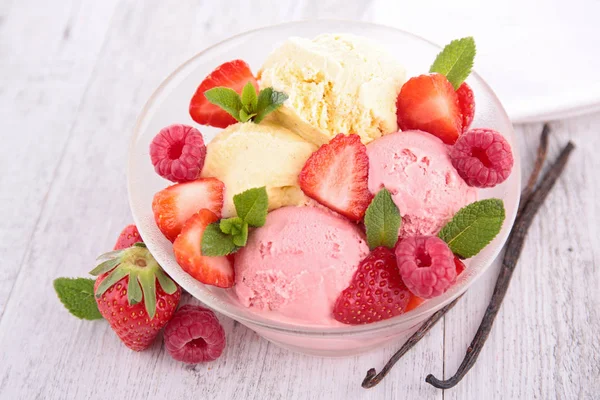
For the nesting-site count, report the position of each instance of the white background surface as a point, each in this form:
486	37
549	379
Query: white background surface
73	76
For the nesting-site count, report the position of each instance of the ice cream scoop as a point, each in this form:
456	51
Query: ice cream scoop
297	264
415	167
336	84
249	155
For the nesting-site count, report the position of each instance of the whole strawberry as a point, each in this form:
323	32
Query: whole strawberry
134	294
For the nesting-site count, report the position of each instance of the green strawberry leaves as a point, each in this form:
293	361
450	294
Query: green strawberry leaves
473	227
455	61
249	106
382	221
229	235
77	295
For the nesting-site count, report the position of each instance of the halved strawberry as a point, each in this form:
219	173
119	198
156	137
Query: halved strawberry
466	101
174	205
336	175
232	74
460	266
217	271
429	103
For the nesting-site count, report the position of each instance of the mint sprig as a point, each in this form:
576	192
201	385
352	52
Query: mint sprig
229	235
249	106
455	61
77	295
382	221
474	227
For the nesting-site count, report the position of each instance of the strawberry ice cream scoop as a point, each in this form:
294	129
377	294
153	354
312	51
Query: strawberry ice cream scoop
416	168
298	263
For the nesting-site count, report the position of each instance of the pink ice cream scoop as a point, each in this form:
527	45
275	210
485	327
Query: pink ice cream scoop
415	167
298	263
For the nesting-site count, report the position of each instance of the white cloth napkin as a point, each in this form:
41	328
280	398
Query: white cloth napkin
542	58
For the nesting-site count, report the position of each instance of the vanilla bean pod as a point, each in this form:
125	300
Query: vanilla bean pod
513	251
542	152
372	379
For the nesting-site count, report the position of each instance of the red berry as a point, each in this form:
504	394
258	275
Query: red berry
128	237
232	74
194	335
414	302
336	175
482	157
460	266
174	205
178	153
430	103
136	323
466	101
216	271
426	265
376	291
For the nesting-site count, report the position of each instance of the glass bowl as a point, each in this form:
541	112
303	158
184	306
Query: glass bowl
169	104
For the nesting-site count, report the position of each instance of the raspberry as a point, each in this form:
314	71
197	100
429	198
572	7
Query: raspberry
482	157
194	335
426	265
466	103
376	291
178	153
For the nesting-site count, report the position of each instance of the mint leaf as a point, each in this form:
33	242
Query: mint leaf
269	100
241	237
455	61
382	221
245	117
249	98
473	227
226	225
227	99
252	206
216	243
77	295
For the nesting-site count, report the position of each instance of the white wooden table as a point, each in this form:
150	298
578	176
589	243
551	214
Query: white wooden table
73	76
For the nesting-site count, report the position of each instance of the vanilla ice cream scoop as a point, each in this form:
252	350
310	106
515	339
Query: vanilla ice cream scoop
249	155
336	84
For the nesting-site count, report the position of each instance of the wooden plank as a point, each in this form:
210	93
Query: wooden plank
61	357
544	343
47	55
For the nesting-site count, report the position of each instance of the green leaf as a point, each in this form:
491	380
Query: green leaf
245	117
112	278
134	291
77	295
455	60
227	224
252	206
473	227
166	283
105	267
269	100
249	98
227	99
148	283
382	221
240	238
216	243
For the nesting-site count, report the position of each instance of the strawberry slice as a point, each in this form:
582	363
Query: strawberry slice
466	101
232	74
216	271
174	205
336	175
429	103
